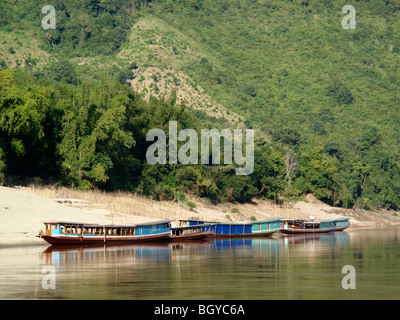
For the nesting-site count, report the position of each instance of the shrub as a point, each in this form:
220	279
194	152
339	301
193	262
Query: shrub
191	205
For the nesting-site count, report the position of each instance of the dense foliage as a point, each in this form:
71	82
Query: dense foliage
83	27
328	98
94	136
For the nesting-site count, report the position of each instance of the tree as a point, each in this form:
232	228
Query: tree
317	169
268	170
369	138
340	93
50	38
2	166
290	166
64	71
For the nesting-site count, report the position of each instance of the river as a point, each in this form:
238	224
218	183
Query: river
279	267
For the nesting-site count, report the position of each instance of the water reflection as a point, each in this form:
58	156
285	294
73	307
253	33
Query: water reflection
331	238
149	253
280	267
64	255
178	270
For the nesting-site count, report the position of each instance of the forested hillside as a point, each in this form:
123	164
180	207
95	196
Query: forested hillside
75	102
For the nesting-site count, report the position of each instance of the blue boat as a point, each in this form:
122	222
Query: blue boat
266	227
237	229
342	223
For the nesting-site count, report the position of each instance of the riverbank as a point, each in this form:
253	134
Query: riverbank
22	209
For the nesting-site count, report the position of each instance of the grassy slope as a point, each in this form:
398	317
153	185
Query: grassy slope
18	46
290	54
161	53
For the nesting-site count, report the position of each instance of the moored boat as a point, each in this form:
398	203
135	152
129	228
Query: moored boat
342	223
298	226
237	229
194	232
67	233
266	227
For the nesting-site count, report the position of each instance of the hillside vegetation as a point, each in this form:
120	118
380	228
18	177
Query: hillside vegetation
324	101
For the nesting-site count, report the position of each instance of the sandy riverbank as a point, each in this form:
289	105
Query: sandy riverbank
21	214
23	209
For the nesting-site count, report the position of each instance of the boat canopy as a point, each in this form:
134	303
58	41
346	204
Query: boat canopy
152	223
194	226
268	220
96	225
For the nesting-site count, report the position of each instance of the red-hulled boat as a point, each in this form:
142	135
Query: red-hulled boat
73	233
187	233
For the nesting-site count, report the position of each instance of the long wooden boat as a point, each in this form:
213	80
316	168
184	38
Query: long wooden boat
298	226
238	229
342	223
184	233
73	233
266	227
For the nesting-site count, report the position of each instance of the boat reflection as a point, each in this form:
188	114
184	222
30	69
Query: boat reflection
326	238
276	246
59	255
311	246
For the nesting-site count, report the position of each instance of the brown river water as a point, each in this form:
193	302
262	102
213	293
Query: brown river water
278	267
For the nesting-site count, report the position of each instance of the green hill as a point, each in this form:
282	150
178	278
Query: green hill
324	100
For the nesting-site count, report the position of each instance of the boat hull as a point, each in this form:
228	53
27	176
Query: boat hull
189	237
341	228
265	233
253	234
302	231
109	240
